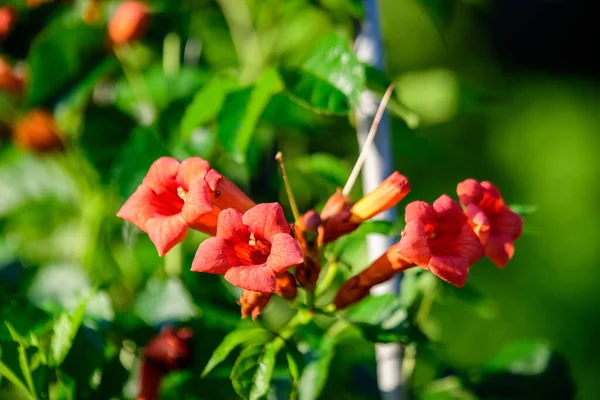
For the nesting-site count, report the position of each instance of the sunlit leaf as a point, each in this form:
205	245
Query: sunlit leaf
252	372
64	330
231	341
383	319
206	104
241	112
333	60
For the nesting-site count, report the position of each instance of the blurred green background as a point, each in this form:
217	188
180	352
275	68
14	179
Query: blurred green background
499	89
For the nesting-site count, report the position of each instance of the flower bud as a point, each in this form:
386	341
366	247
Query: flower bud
382	269
386	195
10	80
8	16
286	286
253	303
37	131
129	22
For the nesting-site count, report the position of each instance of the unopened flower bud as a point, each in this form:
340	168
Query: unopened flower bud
8	16
382	269
386	195
253	303
286	286
10	80
129	22
37	131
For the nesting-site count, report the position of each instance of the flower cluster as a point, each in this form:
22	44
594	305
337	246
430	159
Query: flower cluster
255	248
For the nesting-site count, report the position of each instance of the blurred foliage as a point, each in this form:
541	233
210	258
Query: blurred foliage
234	81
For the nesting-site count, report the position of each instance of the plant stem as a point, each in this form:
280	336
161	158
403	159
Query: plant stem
368	141
288	188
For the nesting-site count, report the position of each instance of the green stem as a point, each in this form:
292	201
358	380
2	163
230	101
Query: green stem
324	283
302	317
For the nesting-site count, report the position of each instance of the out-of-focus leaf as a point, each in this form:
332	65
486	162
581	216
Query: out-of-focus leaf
233	340
64	330
63	388
241	112
105	130
440	11
165	301
383	319
523	209
315	373
378	82
15	362
114	376
62	287
62	52
85	358
252	372
449	388
26	179
332	169
206	104
333	60
353	8
524	370
314	93
135	158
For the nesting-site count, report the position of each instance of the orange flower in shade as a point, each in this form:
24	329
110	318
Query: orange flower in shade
175	196
8	16
307	233
382	269
250	249
494	223
340	218
10	80
171	350
37	131
129	22
440	239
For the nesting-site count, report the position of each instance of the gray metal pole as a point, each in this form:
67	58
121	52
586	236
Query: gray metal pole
378	166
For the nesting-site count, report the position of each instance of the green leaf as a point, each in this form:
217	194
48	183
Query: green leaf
242	110
15	358
165	301
8	368
64	330
523	209
206	105
314	93
62	52
105	131
526	369
252	372
315	373
378	82
444	389
383	319
141	150
326	166
333	60
230	342
440	11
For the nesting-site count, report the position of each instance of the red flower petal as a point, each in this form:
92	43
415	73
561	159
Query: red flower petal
285	253
214	256
414	244
266	220
230	226
449	211
139	208
508	222
197	202
161	175
420	210
452	269
166	231
190	169
258	278
479	222
500	249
